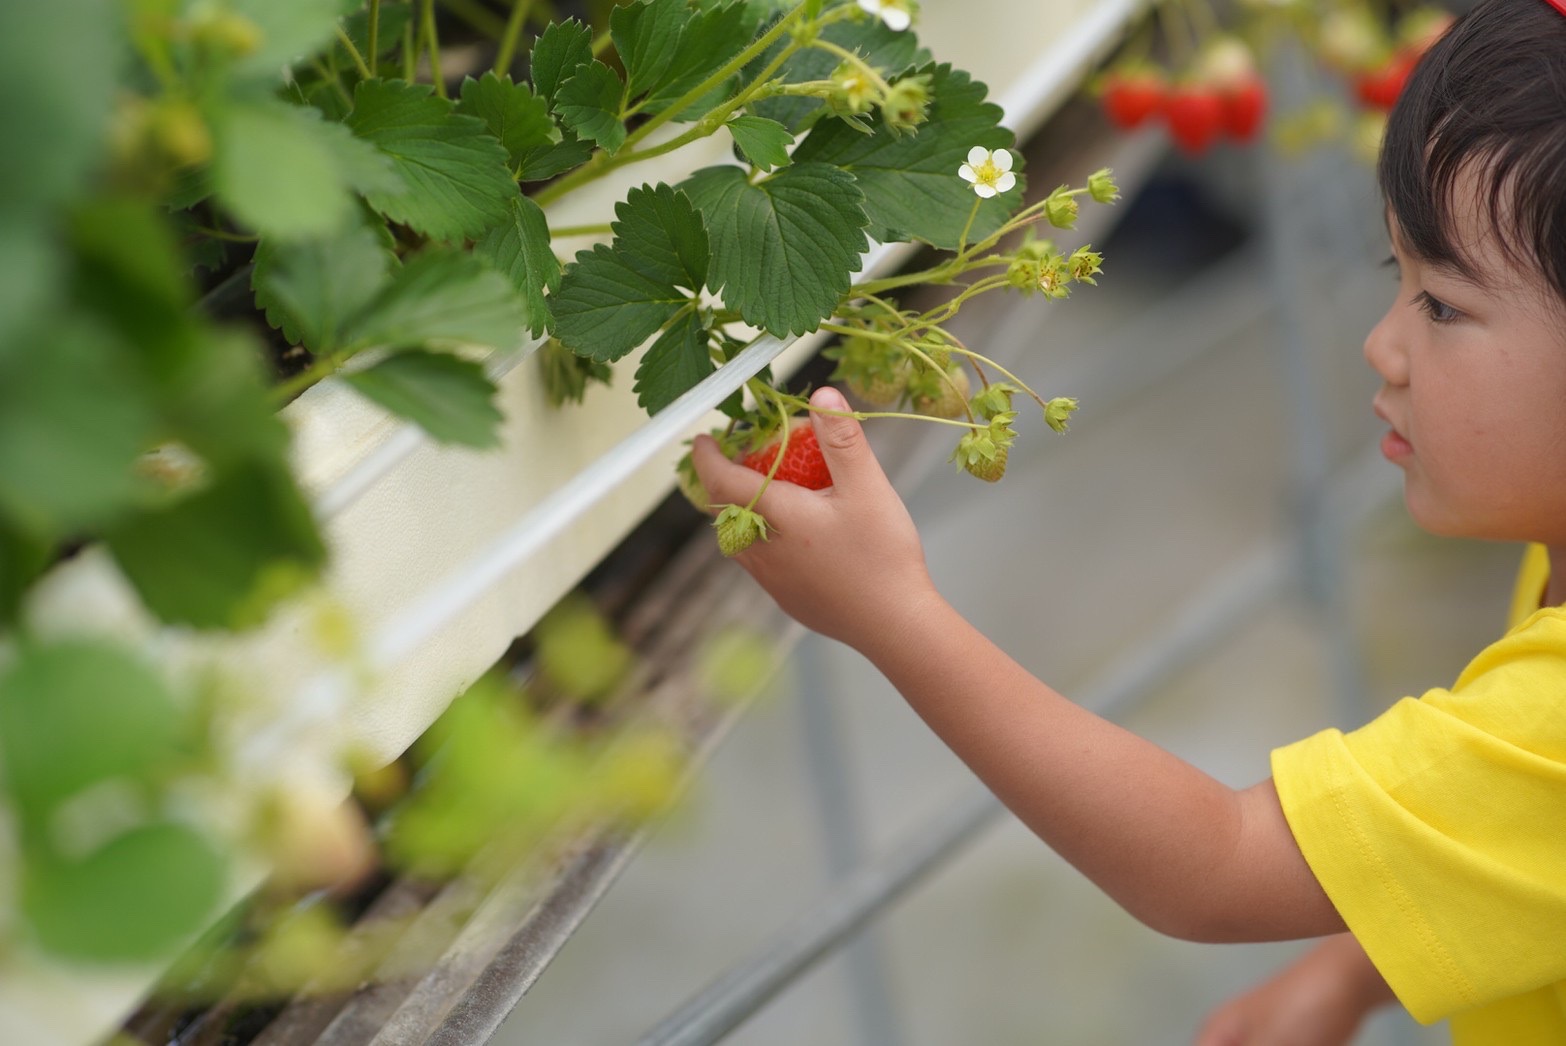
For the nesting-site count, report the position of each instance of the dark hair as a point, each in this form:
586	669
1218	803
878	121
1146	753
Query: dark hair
1489	96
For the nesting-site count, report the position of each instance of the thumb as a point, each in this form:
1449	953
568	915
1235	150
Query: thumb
842	439
725	481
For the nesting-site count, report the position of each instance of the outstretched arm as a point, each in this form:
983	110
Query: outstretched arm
1184	853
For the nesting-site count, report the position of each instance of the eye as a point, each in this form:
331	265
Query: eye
1438	310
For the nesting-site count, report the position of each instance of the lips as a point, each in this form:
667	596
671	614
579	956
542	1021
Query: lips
1394	445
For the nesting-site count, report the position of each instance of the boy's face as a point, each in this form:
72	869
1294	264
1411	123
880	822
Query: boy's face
1474	391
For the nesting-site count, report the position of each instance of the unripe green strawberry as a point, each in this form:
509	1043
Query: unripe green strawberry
988	469
738	528
877	390
802	462
940	398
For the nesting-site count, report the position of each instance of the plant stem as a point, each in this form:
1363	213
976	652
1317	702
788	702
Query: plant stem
511	35
332	78
477	16
962	241
582	230
777	459
227	237
853	59
290	387
353	52
410	52
432	41
375	29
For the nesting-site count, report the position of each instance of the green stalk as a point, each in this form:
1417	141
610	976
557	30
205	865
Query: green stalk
375	28
511	35
853	59
432	40
353	52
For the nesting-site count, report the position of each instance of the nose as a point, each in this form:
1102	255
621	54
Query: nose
1384	351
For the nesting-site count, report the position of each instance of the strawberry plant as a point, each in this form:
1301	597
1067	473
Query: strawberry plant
211	205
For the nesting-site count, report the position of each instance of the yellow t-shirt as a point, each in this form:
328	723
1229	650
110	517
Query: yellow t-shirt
1439	832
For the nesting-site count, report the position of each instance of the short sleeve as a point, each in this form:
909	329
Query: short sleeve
1439	829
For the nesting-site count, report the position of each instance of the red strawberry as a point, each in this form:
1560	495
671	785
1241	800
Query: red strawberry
802	461
1195	114
1379	88
1131	96
1244	108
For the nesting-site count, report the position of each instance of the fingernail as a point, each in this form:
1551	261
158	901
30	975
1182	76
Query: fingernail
829	398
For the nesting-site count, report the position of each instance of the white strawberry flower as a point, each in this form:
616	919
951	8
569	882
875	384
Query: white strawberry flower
897	14
989	172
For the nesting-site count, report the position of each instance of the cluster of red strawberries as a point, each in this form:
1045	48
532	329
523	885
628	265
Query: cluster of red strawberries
1374	62
1222	96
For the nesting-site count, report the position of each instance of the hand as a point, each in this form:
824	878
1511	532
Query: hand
845	561
1320	1000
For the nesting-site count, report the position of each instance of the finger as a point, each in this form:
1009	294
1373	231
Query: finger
842	441
727	482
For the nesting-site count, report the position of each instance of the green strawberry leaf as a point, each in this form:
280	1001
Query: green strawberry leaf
764	143
520	250
440	298
911	186
646	36
134	898
222	556
589	104
707	40
673	364
511	112
559	51
612	298
545	161
449	398
311	290
784	251
455	182
51	694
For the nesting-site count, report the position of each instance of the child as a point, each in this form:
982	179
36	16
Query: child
1436	835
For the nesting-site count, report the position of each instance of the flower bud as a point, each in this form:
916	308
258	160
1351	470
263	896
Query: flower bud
853	91
906	104
1061	209
1102	187
1057	413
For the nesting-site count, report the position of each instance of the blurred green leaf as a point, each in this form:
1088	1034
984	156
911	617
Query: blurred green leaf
32	268
22	559
613	297
910	181
76	713
520	249
560	50
223	556
59	67
441	298
673	364
449	398
784	251
74	417
135	898
455	180
579	652
566	375
511	112
311	291
273	170
763	142
290	30
589	104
